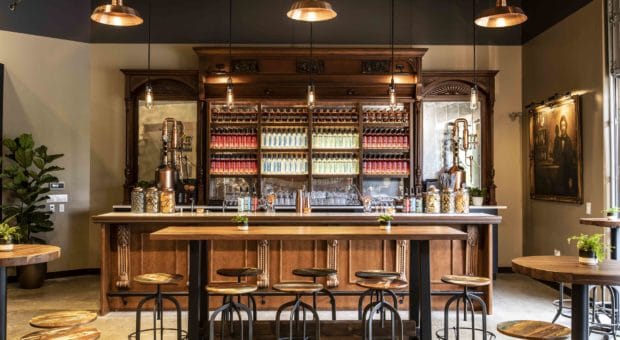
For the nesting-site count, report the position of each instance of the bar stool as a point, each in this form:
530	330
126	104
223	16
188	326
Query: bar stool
535	330
68	333
230	290
467	298
299	289
562	305
372	293
606	309
158	279
240	273
69	325
380	287
314	273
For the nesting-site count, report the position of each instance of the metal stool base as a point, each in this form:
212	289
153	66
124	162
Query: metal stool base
298	306
158	314
490	335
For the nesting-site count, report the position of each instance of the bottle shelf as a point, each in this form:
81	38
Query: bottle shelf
385	150
386	175
234	150
232	175
333	175
325	150
292	175
284	149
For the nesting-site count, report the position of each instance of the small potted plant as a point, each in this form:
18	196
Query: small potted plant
477	195
612	213
385	221
8	234
242	222
591	248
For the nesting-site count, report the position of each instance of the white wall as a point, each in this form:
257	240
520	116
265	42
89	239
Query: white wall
47	94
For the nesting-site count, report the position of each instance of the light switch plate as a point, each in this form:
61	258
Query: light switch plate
59	198
588	208
61	208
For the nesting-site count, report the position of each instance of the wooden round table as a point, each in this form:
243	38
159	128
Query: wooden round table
22	254
568	270
604	222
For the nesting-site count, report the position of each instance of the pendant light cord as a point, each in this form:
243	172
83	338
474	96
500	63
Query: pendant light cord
311	65
473	6
230	37
392	40
148	74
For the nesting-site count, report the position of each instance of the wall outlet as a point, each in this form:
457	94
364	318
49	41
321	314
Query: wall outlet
588	208
52	208
61	208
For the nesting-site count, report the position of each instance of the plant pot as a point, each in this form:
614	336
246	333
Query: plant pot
477	201
613	216
6	245
31	276
587	257
385	225
243	227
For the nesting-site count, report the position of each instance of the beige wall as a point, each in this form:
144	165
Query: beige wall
568	57
47	93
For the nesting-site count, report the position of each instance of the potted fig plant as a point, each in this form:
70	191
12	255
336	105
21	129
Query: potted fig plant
242	222
591	248
26	176
385	221
612	213
8	235
477	195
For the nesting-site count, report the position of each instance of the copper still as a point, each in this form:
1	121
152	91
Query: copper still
457	172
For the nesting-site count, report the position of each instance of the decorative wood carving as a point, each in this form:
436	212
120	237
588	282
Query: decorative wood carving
376	67
313	66
471	253
401	258
450	88
263	263
245	66
332	262
123	245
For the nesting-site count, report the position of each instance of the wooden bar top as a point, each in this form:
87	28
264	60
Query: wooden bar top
600	222
308	233
262	218
567	269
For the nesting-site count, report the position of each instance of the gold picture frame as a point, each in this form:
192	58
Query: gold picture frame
556	160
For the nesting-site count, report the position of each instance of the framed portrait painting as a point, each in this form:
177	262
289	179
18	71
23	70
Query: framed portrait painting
556	162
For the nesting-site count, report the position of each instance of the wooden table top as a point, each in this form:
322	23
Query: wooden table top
24	254
567	269
309	233
600	222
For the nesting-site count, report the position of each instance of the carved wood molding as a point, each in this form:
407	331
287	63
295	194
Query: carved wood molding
332	262
471	251
401	259
449	88
123	244
263	263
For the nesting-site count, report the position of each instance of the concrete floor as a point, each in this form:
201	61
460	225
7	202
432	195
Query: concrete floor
516	297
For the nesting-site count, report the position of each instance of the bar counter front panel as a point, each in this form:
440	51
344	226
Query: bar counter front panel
127	251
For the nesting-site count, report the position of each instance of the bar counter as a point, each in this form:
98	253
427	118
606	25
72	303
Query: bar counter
127	251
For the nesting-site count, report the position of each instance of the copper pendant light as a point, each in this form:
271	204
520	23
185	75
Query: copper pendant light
116	14
311	11
501	16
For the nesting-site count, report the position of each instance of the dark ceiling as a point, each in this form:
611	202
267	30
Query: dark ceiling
430	22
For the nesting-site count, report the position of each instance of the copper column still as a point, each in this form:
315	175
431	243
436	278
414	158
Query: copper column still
168	171
457	171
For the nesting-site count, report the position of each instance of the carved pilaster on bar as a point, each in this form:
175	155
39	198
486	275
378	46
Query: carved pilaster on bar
401	259
123	246
471	252
332	262
263	263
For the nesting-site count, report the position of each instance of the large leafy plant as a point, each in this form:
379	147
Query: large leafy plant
26	179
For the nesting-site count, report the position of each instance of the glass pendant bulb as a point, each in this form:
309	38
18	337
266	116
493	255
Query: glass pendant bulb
311	96
473	99
148	96
392	93
230	98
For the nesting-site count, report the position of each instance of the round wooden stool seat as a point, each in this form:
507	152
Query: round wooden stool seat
240	272
536	330
158	278
63	319
298	287
381	284
377	274
231	288
314	272
71	333
466	281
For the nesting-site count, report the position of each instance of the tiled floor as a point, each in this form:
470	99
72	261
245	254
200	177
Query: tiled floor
516	297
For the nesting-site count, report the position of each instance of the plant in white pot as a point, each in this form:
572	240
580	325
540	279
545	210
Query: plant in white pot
612	213
242	222
477	196
592	249
26	175
385	221
9	234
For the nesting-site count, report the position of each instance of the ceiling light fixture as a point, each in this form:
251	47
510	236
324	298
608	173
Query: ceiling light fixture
311	11
311	92
501	16
230	98
473	99
148	91
392	86
116	14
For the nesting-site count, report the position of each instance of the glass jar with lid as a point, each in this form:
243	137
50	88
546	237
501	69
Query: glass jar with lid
462	201
151	200
432	201
447	201
166	201
137	200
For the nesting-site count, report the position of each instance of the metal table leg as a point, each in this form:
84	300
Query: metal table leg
3	303
414	280
420	289
615	242
579	308
193	308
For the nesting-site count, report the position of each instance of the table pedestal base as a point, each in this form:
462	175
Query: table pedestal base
579	319
3	303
